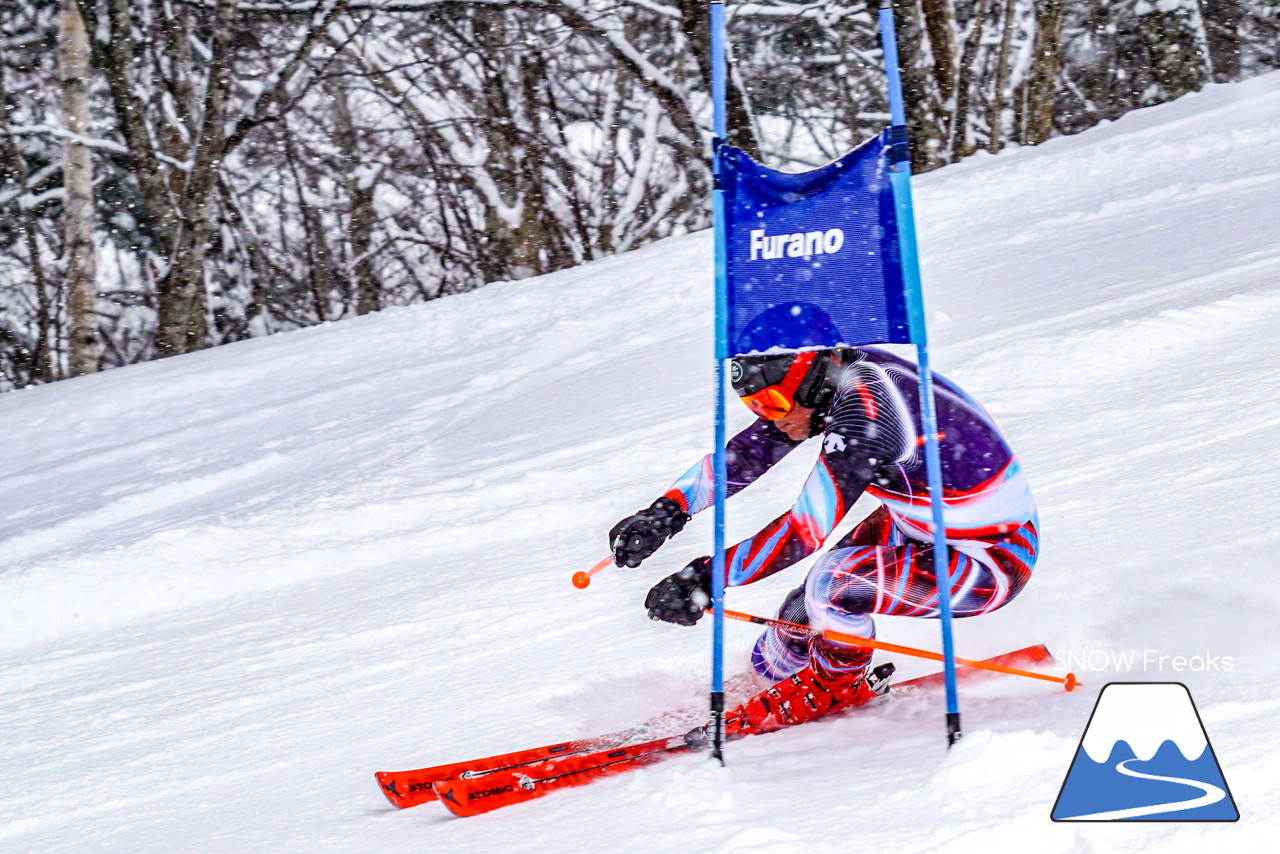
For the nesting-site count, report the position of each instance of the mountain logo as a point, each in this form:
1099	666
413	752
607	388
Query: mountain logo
1145	756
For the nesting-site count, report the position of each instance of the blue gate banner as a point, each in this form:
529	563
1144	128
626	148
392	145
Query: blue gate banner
813	258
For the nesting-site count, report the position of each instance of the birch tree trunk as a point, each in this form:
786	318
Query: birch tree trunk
1222	20
940	24
994	144
359	181
961	146
181	299
924	111
79	257
1042	87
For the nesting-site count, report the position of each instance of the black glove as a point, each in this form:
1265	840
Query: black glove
636	537
681	598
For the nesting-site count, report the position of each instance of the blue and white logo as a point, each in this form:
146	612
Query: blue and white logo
1145	757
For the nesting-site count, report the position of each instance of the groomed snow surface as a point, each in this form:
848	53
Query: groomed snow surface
235	584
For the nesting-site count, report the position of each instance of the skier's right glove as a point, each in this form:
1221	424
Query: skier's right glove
683	597
636	537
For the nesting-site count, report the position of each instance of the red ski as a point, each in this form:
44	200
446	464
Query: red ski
486	791
481	792
480	785
410	788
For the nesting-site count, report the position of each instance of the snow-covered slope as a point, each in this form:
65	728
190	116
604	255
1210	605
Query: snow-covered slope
234	584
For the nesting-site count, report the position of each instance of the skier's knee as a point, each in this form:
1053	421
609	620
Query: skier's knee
842	581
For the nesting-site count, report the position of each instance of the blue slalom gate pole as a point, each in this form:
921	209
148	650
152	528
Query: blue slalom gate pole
900	180
721	354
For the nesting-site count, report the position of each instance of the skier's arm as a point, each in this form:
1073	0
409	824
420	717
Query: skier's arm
747	456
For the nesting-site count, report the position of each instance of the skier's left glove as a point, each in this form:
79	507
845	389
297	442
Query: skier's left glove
681	598
639	535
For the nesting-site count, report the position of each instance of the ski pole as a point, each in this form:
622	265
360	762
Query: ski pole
582	579
1069	682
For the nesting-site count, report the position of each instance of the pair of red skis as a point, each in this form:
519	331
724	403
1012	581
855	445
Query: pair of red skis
482	785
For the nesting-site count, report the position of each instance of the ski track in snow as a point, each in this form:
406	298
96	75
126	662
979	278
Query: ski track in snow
236	583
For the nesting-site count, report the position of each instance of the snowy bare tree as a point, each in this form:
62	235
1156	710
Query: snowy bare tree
80	262
236	168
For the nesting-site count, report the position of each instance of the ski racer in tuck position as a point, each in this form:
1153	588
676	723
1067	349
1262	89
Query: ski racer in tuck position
864	404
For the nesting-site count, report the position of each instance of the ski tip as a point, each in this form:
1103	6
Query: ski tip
464	799
1030	655
402	792
446	792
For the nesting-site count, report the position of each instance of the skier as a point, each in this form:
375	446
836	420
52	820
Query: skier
865	404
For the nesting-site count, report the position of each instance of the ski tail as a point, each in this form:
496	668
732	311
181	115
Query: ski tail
483	792
410	788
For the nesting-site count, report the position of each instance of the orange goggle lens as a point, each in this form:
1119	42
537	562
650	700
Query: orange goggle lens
770	403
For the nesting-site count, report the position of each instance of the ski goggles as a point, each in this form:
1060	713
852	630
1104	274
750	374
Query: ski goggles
773	403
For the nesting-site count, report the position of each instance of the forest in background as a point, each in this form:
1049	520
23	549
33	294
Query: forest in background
179	174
